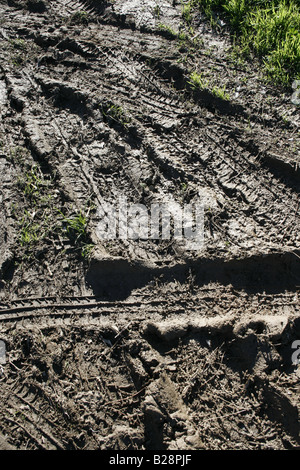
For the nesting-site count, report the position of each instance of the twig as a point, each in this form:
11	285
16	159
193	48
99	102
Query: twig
234	413
126	398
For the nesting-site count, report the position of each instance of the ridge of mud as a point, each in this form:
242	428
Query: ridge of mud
117	277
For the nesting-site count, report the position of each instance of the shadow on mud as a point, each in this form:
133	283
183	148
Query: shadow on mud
173	72
271	274
286	172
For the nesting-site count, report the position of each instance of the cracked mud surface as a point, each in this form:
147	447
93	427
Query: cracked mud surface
143	344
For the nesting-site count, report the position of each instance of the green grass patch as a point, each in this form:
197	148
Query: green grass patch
157	11
80	17
268	28
186	38
168	30
198	82
75	227
186	12
32	183
40	215
35	215
19	44
115	113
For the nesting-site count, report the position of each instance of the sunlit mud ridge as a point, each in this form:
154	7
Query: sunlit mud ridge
127	343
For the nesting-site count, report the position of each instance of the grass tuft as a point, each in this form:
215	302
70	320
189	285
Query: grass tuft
80	17
268	28
198	82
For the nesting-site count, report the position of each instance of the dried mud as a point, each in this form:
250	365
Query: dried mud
142	344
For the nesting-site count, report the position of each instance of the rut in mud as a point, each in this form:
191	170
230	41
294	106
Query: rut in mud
143	344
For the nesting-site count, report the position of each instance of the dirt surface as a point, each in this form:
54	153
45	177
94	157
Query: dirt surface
143	344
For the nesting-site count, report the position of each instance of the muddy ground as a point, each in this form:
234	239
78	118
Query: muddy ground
140	344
